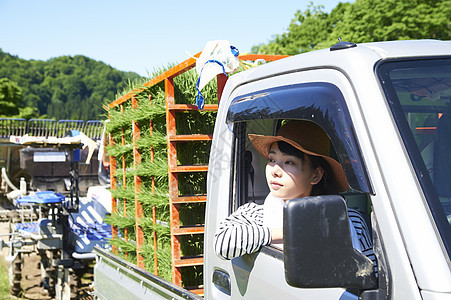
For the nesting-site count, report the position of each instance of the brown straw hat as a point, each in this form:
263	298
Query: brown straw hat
310	139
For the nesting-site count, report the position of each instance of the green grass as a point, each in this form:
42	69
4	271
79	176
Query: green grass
4	280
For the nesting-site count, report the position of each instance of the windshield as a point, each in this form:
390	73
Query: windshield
419	94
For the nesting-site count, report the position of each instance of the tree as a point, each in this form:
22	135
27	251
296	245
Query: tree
362	21
304	32
10	97
29	113
370	20
63	87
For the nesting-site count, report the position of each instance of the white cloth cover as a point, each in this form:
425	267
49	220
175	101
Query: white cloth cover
220	51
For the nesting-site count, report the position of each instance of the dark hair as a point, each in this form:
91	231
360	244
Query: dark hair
286	148
323	187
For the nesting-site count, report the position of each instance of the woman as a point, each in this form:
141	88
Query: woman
298	166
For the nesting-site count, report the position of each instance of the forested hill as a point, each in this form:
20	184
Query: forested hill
64	87
362	21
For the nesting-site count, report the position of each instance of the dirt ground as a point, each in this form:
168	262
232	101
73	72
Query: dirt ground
31	273
31	276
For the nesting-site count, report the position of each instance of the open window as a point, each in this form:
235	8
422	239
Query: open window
262	113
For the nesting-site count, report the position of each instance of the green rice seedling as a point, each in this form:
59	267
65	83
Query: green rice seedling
192	153
155	140
185	89
123	193
163	258
119	150
159	199
192	276
192	183
120	220
150	117
158	168
192	214
127	249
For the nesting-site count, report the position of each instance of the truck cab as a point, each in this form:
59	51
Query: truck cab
386	109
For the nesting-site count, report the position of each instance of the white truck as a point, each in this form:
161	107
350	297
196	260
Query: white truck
386	108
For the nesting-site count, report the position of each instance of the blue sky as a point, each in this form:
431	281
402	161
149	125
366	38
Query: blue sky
138	35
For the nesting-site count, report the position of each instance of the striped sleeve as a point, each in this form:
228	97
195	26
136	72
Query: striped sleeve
242	232
361	228
363	234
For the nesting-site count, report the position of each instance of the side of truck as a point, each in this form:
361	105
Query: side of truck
382	105
385	107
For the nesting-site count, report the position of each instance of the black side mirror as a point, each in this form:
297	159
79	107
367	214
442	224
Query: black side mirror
318	250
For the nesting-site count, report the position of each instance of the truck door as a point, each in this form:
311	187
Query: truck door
259	107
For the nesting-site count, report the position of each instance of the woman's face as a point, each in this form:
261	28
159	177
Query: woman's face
288	176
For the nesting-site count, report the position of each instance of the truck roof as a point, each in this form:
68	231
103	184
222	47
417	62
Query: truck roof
409	48
359	58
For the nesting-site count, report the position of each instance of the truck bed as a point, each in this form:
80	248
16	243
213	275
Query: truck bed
115	278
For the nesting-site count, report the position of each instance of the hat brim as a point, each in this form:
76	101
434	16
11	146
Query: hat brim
262	143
